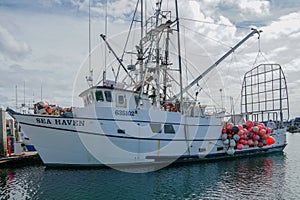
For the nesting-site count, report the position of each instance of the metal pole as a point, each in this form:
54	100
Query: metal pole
3	136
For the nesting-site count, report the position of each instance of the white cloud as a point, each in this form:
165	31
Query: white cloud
287	26
58	41
11	47
257	7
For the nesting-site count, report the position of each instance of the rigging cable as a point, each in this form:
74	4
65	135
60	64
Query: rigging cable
206	22
204	36
194	67
128	35
259	53
185	57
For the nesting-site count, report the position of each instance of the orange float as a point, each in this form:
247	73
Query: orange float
270	140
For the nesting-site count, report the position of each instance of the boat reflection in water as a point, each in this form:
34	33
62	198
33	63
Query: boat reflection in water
258	177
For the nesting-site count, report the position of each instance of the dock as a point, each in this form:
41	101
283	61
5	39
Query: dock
11	152
25	159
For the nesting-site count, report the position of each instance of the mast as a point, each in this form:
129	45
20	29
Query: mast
141	43
165	66
157	70
179	57
254	31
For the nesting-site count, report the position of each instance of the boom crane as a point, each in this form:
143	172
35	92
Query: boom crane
184	90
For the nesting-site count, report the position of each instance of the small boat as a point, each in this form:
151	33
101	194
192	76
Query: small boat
294	125
142	120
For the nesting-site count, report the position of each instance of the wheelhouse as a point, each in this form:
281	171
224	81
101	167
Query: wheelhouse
109	96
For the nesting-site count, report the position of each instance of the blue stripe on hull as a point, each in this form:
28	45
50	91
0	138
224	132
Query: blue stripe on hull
116	136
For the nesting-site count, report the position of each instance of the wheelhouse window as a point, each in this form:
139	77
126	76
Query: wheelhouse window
168	128
121	100
99	96
90	98
136	99
108	96
85	102
156	127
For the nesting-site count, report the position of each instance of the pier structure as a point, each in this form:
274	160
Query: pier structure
18	158
3	135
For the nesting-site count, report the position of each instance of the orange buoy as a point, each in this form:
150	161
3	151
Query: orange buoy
9	146
49	111
270	140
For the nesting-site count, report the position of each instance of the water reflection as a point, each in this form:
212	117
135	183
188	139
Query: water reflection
21	183
259	177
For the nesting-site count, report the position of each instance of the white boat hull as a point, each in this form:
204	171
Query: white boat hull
69	144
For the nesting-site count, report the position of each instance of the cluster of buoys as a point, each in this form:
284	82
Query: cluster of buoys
43	107
251	134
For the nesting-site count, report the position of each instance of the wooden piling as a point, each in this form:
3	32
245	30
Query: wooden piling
12	127
3	136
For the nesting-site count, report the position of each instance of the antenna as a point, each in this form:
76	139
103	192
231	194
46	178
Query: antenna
41	91
90	77
105	61
222	103
23	105
16	97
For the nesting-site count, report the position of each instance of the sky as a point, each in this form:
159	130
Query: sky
44	43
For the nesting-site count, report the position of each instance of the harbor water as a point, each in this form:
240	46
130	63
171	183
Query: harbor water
273	176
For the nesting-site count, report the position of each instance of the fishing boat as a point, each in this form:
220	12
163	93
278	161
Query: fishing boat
140	119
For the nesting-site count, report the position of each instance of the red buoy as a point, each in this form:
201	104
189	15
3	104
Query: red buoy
250	142
269	130
230	126
256	137
260	144
262	132
240	126
240	146
249	123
